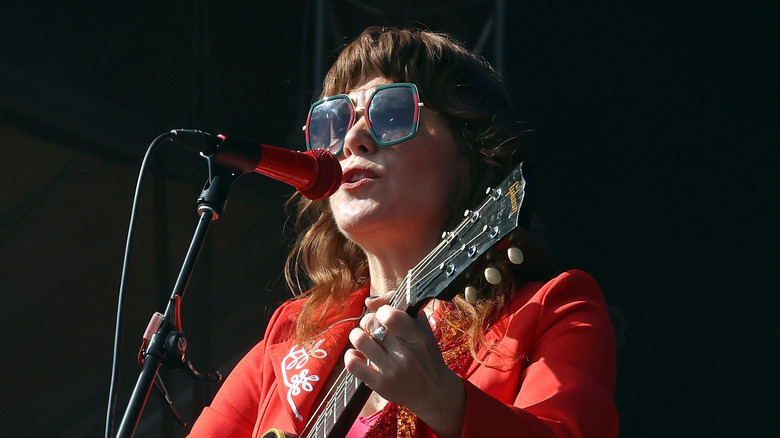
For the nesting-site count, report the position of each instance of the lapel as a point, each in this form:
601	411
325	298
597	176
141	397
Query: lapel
302	372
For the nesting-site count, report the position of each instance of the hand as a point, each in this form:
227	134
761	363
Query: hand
407	368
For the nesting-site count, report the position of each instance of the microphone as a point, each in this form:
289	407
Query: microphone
316	174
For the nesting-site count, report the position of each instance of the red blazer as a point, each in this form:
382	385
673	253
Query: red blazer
562	385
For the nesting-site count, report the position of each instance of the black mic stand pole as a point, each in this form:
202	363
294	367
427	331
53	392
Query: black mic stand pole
168	344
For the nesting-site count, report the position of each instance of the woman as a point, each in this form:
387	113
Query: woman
421	127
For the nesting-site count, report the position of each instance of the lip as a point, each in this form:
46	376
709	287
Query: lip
357	176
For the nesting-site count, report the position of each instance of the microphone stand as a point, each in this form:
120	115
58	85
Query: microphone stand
168	344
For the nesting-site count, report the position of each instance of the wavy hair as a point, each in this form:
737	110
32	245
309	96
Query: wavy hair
469	94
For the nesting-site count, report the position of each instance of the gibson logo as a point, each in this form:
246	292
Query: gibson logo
514	189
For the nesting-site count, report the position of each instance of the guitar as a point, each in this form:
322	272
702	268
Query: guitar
464	253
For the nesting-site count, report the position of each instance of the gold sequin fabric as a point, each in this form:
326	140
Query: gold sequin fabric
398	422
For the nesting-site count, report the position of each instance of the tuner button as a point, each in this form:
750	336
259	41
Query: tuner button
471	294
515	255
492	275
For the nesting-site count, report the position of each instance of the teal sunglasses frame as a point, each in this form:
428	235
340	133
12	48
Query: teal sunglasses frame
339	146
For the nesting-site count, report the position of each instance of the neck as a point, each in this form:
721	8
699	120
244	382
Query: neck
388	268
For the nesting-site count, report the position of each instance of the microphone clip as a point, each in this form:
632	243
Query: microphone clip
214	195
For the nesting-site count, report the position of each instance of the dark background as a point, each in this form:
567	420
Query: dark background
656	172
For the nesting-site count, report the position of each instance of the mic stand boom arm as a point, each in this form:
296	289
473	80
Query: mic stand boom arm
168	344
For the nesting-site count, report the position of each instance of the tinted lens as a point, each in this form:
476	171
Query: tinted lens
392	114
328	124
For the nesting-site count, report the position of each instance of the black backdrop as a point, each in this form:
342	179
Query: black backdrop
656	172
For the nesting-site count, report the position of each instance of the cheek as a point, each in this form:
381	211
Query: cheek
349	211
438	148
336	206
438	177
442	161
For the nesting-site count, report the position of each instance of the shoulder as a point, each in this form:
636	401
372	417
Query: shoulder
574	277
571	284
568	291
281	326
289	309
567	285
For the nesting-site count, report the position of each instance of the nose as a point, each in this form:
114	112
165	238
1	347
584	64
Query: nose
358	139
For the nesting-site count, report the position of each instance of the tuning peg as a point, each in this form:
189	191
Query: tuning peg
515	255
492	275
471	294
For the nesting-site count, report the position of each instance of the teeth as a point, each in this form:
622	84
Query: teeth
356	177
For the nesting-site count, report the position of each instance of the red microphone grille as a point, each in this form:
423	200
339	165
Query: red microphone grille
328	178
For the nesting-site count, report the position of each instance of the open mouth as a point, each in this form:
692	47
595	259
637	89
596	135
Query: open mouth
357	174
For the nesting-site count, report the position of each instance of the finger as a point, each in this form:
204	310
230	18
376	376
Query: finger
375	302
366	345
361	367
379	334
357	365
402	325
369	324
355	361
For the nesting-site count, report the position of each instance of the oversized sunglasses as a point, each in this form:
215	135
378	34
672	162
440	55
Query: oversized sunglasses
392	115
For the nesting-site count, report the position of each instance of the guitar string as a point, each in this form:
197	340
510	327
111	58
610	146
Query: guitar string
473	216
398	299
341	384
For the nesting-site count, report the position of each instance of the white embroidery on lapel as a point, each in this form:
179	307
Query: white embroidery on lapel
295	360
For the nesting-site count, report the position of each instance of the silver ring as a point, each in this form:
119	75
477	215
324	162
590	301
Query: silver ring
379	334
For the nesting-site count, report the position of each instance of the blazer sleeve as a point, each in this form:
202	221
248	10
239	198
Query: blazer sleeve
567	368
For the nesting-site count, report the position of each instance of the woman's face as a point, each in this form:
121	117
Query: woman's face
397	196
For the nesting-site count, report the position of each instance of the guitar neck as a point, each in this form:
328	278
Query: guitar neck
347	396
340	408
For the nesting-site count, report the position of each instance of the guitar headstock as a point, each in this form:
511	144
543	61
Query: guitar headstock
465	250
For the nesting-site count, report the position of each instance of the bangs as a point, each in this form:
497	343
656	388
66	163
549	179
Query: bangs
400	56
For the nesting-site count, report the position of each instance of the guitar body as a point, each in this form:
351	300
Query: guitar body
276	433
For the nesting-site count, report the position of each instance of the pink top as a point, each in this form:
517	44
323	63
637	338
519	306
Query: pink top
362	424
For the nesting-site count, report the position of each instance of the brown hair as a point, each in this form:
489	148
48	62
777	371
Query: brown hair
467	92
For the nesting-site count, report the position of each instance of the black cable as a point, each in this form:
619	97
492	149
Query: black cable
112	395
